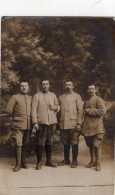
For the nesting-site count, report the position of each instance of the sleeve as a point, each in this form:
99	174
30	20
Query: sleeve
34	108
56	103
79	110
10	106
100	110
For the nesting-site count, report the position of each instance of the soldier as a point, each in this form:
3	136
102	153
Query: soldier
93	130
44	109
71	108
19	108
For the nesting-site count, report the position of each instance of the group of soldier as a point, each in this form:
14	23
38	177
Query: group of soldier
39	114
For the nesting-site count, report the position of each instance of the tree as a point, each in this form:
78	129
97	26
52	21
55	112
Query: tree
58	48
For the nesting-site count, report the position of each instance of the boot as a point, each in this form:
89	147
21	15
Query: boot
66	160
23	160
18	158
39	150
98	167
98	158
92	154
48	149
74	154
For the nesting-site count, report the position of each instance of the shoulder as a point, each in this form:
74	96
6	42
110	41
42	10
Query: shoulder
77	95
61	96
16	96
19	95
29	97
36	95
12	99
99	99
52	94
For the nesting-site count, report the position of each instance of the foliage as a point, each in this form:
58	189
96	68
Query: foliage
57	48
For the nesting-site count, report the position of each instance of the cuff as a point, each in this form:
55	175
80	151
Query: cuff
58	108
35	123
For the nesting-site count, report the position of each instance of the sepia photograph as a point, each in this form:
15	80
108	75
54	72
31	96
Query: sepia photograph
57	105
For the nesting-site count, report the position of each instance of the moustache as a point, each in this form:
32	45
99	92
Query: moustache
68	88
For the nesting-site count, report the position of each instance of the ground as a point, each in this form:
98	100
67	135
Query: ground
60	180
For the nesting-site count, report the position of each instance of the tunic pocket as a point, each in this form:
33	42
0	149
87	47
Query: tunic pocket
73	117
73	121
19	122
17	118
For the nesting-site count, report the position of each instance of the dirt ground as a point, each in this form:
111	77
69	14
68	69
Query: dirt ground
60	180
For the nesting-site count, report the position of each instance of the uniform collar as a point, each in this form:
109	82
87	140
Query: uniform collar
92	96
45	93
23	94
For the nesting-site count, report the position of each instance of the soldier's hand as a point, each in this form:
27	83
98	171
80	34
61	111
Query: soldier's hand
36	126
86	110
53	107
33	130
78	127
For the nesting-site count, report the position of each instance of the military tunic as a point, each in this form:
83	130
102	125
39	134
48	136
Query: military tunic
71	109
93	120
19	108
44	116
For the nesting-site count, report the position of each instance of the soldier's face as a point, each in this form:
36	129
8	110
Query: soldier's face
91	90
69	86
45	86
24	87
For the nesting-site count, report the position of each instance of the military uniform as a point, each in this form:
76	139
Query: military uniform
46	119
93	128
71	108
19	107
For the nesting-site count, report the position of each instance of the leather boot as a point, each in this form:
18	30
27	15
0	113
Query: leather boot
18	158
48	149
39	150
92	154
23	158
98	158
66	160
74	154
